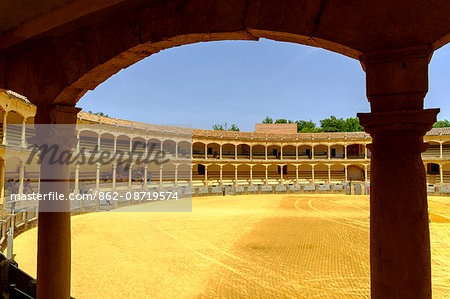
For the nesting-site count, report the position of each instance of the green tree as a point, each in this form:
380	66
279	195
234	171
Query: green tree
224	127
442	124
333	124
353	125
267	120
306	126
281	121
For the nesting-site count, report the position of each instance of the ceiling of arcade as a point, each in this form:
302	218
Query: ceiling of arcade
56	50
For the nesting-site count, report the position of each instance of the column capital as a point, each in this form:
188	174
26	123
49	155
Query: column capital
397	80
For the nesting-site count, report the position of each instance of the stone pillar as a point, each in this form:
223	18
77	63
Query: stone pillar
251	175
176	150
220	149
312	171
76	188
281	152
21	176
146	175
130	175
24	133
441	173
206	175
281	175
206	151
440	149
220	174
312	152
251	152
267	173
176	175
160	176
365	173
265	151
115	144
99	141
296	152
5	119
235	152
365	151
78	140
328	152
53	255
190	175
296	174
235	175
329	174
399	236
345	151
345	171
2	183
97	177
114	170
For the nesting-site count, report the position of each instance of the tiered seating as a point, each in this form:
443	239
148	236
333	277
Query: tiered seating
88	143
433	151
14	134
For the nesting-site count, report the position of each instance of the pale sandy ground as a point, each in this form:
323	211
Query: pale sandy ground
258	246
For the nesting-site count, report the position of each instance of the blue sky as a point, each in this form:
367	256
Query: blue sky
243	81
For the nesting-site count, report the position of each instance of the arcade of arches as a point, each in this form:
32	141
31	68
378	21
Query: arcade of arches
54	51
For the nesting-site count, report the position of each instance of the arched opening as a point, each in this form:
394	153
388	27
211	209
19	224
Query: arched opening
107	142
433	173
213	174
259	174
446	149
88	140
184	173
337	173
228	175
337	151
320	173
139	145
214	150
169	149
273	152
123	144
228	151
355	173
243	151
184	150
305	173
258	152
243	175
320	151
305	152
14	122
355	151
198	150
289	152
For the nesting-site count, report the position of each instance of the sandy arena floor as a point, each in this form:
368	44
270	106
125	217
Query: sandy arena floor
255	246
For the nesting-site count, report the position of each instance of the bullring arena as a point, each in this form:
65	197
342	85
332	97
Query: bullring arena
285	229
244	246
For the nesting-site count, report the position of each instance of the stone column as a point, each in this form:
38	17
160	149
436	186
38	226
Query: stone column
365	151
130	175
328	152
267	174
235	152
296	152
160	176
206	151
235	174
265	151
281	152
345	151
99	141
312	152
220	174
97	177
114	170
5	119
345	170
24	131
281	175
399	236
440	149
78	140
220	149
2	183
296	174
251	175
251	152
365	173
176	150
190	175
145	176
441	173
206	175
115	144
53	255
21	176
329	174
176	175
76	188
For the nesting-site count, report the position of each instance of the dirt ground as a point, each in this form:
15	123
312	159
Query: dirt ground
252	246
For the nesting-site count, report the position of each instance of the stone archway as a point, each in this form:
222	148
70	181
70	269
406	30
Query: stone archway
53	54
